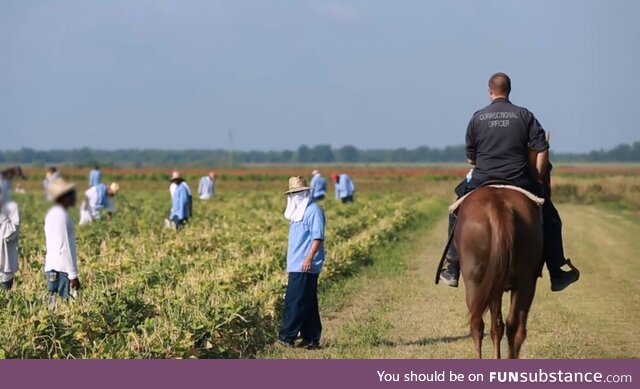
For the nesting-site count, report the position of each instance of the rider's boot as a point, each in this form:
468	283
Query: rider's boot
450	273
554	251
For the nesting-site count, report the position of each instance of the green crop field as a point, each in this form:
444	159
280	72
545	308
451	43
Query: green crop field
215	289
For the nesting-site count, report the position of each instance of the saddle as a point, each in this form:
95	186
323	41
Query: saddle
500	184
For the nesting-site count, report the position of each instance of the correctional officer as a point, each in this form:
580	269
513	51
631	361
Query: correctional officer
507	143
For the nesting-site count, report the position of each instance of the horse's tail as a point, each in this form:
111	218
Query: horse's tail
501	229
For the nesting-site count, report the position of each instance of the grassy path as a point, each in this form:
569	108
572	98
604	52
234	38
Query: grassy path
394	310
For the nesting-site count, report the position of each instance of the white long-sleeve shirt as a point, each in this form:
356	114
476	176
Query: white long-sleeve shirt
60	235
92	201
9	237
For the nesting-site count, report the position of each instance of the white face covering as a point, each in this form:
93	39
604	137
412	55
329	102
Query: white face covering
296	205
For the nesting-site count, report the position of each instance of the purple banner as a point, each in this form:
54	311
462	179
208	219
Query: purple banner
321	374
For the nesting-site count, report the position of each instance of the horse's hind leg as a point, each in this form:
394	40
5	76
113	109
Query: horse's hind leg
475	323
512	324
517	321
477	333
497	325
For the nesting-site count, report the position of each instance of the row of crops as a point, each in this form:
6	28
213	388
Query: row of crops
212	290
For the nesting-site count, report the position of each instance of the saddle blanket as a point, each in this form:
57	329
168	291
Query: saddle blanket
537	200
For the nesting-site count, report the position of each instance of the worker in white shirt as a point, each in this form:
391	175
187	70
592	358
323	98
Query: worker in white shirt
207	186
60	265
9	238
97	198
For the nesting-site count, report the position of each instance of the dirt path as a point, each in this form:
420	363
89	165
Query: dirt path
394	310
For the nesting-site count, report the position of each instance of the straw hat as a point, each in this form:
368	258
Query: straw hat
175	176
58	188
297	184
313	173
114	188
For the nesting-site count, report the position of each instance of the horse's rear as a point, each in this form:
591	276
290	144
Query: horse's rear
499	242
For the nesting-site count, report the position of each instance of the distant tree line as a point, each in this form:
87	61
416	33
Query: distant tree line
303	155
620	153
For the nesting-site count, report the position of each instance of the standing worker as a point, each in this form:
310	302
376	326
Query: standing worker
96	199
180	203
318	186
305	257
207	186
9	239
175	180
95	176
61	266
345	188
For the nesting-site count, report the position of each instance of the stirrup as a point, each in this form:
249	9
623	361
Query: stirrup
572	267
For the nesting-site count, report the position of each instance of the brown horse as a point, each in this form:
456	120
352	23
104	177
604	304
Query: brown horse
499	241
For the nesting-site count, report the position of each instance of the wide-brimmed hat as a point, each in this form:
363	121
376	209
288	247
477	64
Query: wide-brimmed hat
59	187
114	188
297	184
175	176
313	173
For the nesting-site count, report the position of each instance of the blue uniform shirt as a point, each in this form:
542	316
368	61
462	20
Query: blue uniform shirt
344	187
318	186
95	177
6	189
180	203
301	235
101	201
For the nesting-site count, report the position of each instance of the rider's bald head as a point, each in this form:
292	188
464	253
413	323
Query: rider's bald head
500	85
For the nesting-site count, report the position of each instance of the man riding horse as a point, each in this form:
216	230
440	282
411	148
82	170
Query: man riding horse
506	143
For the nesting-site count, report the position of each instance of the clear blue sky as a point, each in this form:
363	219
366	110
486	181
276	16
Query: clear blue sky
280	73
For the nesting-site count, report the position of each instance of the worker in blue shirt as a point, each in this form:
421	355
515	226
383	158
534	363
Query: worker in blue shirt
207	186
305	257
345	188
180	203
318	186
95	176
